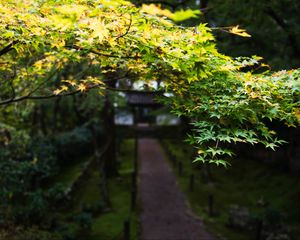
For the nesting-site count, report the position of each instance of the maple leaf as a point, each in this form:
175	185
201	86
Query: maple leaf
57	91
99	30
38	64
59	43
239	31
81	87
156	10
71	82
94	80
64	88
61	89
183	15
297	113
72	10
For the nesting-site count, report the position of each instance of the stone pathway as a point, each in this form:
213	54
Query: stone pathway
165	214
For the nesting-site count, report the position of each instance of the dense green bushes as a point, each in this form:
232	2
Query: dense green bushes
33	233
27	162
73	144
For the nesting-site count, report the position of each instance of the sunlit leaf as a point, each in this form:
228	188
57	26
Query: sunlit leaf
239	31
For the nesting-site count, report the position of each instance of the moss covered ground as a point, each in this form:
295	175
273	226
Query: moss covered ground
109	225
86	216
68	174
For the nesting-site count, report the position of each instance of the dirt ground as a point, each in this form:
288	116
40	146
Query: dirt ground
165	214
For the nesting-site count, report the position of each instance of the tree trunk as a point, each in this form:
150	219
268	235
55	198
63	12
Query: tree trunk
109	136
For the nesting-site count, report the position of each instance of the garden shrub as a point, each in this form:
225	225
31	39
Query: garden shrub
36	233
73	144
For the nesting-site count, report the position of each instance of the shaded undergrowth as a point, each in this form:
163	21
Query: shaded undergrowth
259	187
86	215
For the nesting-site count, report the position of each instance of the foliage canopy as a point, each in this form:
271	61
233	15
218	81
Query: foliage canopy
57	48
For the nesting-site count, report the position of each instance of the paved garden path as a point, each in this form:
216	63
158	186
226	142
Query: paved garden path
165	214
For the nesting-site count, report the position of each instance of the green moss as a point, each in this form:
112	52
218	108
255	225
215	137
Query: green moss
109	225
89	194
69	174
106	224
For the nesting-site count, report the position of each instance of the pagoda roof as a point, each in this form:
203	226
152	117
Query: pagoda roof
143	98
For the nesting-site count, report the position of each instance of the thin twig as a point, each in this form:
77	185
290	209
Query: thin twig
41	97
128	28
100	53
43	82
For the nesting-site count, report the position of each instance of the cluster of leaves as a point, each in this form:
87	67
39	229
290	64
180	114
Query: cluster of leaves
24	164
113	40
43	39
73	144
235	107
27	163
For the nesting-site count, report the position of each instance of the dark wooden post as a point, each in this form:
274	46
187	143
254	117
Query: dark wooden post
133	199
174	160
133	191
180	168
126	229
133	180
210	205
258	229
192	183
109	135
135	166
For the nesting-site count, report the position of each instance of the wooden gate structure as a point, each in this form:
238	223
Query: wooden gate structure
140	105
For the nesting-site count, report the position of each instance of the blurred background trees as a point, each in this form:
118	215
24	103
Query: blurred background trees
273	25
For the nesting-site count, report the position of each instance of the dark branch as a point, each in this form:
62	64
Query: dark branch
99	53
49	96
42	83
128	28
204	6
7	48
28	97
285	27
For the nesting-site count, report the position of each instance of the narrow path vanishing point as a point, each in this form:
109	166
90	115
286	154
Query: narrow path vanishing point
165	214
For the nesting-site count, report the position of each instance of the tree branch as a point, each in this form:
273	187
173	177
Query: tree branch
50	96
285	27
8	48
28	97
100	53
128	28
42	83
